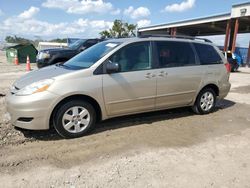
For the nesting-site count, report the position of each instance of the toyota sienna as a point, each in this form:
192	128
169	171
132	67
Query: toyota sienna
120	77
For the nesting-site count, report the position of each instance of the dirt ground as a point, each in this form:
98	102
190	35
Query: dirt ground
171	148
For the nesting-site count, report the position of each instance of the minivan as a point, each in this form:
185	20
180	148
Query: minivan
120	77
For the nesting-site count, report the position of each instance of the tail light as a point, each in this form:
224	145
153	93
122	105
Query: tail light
228	67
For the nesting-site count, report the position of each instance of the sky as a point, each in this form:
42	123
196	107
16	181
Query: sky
47	19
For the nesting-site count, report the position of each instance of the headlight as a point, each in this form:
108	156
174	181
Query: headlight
43	55
35	87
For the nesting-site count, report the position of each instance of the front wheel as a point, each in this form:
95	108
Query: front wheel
205	101
74	119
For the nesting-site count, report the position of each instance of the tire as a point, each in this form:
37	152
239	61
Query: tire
236	68
74	119
205	101
232	69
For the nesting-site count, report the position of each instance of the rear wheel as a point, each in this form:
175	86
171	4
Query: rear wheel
234	67
74	119
205	101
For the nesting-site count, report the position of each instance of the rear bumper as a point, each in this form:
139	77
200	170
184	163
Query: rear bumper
224	90
32	111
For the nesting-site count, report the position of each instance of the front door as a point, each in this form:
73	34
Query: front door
133	88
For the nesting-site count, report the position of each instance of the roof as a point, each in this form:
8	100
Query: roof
53	43
212	18
18	46
209	25
241	4
160	38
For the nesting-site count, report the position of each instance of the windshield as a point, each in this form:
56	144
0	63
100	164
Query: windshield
77	44
90	56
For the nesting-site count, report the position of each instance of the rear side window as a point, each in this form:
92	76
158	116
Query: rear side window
207	54
174	54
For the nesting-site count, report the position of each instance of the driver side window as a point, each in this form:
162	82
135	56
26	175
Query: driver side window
133	57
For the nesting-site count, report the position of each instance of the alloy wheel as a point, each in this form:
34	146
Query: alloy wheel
207	101
76	119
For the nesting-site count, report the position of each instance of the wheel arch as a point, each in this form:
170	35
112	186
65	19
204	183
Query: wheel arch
197	109
86	98
212	86
209	85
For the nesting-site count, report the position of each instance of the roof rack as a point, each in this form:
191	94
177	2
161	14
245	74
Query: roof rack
176	36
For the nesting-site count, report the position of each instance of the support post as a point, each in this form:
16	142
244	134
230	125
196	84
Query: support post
228	30
171	31
174	31
236	27
248	56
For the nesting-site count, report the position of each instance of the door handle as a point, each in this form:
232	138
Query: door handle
162	74
149	75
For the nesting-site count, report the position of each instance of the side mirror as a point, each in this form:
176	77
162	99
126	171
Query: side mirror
112	67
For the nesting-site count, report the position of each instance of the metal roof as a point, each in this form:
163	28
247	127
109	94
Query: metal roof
213	18
189	23
241	4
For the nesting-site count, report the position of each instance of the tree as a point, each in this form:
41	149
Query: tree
16	39
20	40
64	40
119	30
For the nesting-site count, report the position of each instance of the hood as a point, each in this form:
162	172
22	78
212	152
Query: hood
41	74
57	50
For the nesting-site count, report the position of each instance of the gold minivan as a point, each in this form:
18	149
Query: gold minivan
119	77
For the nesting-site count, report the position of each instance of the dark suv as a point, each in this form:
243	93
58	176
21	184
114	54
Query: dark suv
59	55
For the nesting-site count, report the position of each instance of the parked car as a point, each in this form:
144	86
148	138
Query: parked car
60	55
120	77
234	60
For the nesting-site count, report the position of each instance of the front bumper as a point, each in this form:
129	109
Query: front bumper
42	62
31	111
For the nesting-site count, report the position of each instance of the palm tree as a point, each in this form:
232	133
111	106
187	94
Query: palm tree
119	30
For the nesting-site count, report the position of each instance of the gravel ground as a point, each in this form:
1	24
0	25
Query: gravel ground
171	148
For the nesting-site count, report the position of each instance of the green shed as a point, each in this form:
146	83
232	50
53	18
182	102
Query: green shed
21	51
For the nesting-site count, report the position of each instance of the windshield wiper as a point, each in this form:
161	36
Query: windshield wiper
58	64
61	65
